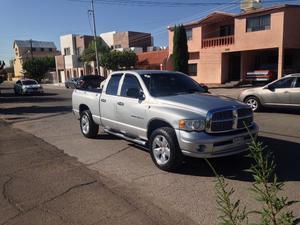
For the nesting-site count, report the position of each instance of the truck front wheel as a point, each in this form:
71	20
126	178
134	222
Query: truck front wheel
164	149
88	127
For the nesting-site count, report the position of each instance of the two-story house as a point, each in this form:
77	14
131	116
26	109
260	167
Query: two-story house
223	47
27	49
68	64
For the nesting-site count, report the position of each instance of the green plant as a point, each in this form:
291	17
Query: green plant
266	188
180	50
88	55
115	60
36	68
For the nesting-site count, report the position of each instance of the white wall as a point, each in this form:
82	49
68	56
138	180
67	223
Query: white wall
67	41
71	61
108	38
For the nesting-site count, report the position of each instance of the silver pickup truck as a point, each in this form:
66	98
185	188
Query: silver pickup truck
168	112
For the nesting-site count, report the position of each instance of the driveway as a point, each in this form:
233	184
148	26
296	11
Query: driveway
190	191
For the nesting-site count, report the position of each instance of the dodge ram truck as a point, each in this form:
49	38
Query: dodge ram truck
167	112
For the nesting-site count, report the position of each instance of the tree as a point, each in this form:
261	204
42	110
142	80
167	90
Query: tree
116	60
180	50
2	64
88	55
36	68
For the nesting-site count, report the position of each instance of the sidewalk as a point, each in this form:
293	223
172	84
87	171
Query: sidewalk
41	185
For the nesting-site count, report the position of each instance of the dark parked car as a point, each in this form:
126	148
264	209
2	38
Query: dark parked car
72	83
89	81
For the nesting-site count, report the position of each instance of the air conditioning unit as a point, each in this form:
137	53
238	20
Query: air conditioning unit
248	5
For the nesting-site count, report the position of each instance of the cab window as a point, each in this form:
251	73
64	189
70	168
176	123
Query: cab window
113	84
130	81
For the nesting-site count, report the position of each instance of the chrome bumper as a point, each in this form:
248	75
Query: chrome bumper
204	145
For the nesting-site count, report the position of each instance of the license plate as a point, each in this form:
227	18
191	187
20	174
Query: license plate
238	140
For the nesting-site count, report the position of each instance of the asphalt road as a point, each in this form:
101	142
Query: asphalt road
190	191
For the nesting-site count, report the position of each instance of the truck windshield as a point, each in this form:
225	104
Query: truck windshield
166	84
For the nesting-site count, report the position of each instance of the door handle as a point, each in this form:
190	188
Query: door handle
121	103
103	100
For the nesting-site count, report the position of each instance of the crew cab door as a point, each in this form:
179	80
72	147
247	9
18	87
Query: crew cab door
108	102
131	108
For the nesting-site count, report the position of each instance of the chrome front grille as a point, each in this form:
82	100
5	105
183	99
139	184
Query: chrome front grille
226	120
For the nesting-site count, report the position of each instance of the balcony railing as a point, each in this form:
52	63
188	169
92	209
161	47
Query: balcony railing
219	41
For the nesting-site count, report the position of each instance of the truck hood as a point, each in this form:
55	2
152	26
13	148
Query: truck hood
198	102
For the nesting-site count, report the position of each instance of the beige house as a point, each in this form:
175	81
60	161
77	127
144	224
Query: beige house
68	64
27	49
223	47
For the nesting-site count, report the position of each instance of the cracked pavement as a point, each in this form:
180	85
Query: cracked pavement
126	170
42	185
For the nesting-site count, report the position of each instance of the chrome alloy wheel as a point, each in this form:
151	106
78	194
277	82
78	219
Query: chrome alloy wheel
252	103
85	124
161	150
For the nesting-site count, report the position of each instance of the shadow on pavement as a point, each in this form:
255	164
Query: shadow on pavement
35	109
31	99
281	110
287	157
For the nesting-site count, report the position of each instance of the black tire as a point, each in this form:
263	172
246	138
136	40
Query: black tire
92	129
254	103
175	156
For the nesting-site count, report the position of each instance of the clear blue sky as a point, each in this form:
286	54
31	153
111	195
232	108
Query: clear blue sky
48	19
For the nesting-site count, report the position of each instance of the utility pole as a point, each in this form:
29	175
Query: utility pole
95	38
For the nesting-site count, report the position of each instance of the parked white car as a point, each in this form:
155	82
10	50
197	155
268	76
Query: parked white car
27	86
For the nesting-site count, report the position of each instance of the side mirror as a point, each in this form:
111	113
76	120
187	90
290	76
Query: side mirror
271	87
135	93
204	87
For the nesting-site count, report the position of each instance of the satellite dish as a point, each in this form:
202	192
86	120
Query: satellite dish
248	5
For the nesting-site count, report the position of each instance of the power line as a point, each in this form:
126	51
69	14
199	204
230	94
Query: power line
154	3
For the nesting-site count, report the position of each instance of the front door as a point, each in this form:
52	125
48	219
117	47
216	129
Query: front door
295	93
131	111
279	93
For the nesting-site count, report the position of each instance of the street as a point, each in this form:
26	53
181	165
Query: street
187	195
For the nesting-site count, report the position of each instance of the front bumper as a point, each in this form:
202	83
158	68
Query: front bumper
33	91
204	145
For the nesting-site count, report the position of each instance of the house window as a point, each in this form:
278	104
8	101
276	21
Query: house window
67	51
258	23
193	69
189	34
79	51
194	55
226	30
42	49
33	49
118	46
50	50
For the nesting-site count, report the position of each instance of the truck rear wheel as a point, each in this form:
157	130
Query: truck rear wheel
87	126
164	149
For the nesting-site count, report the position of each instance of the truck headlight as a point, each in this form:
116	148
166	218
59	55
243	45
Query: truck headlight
192	125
